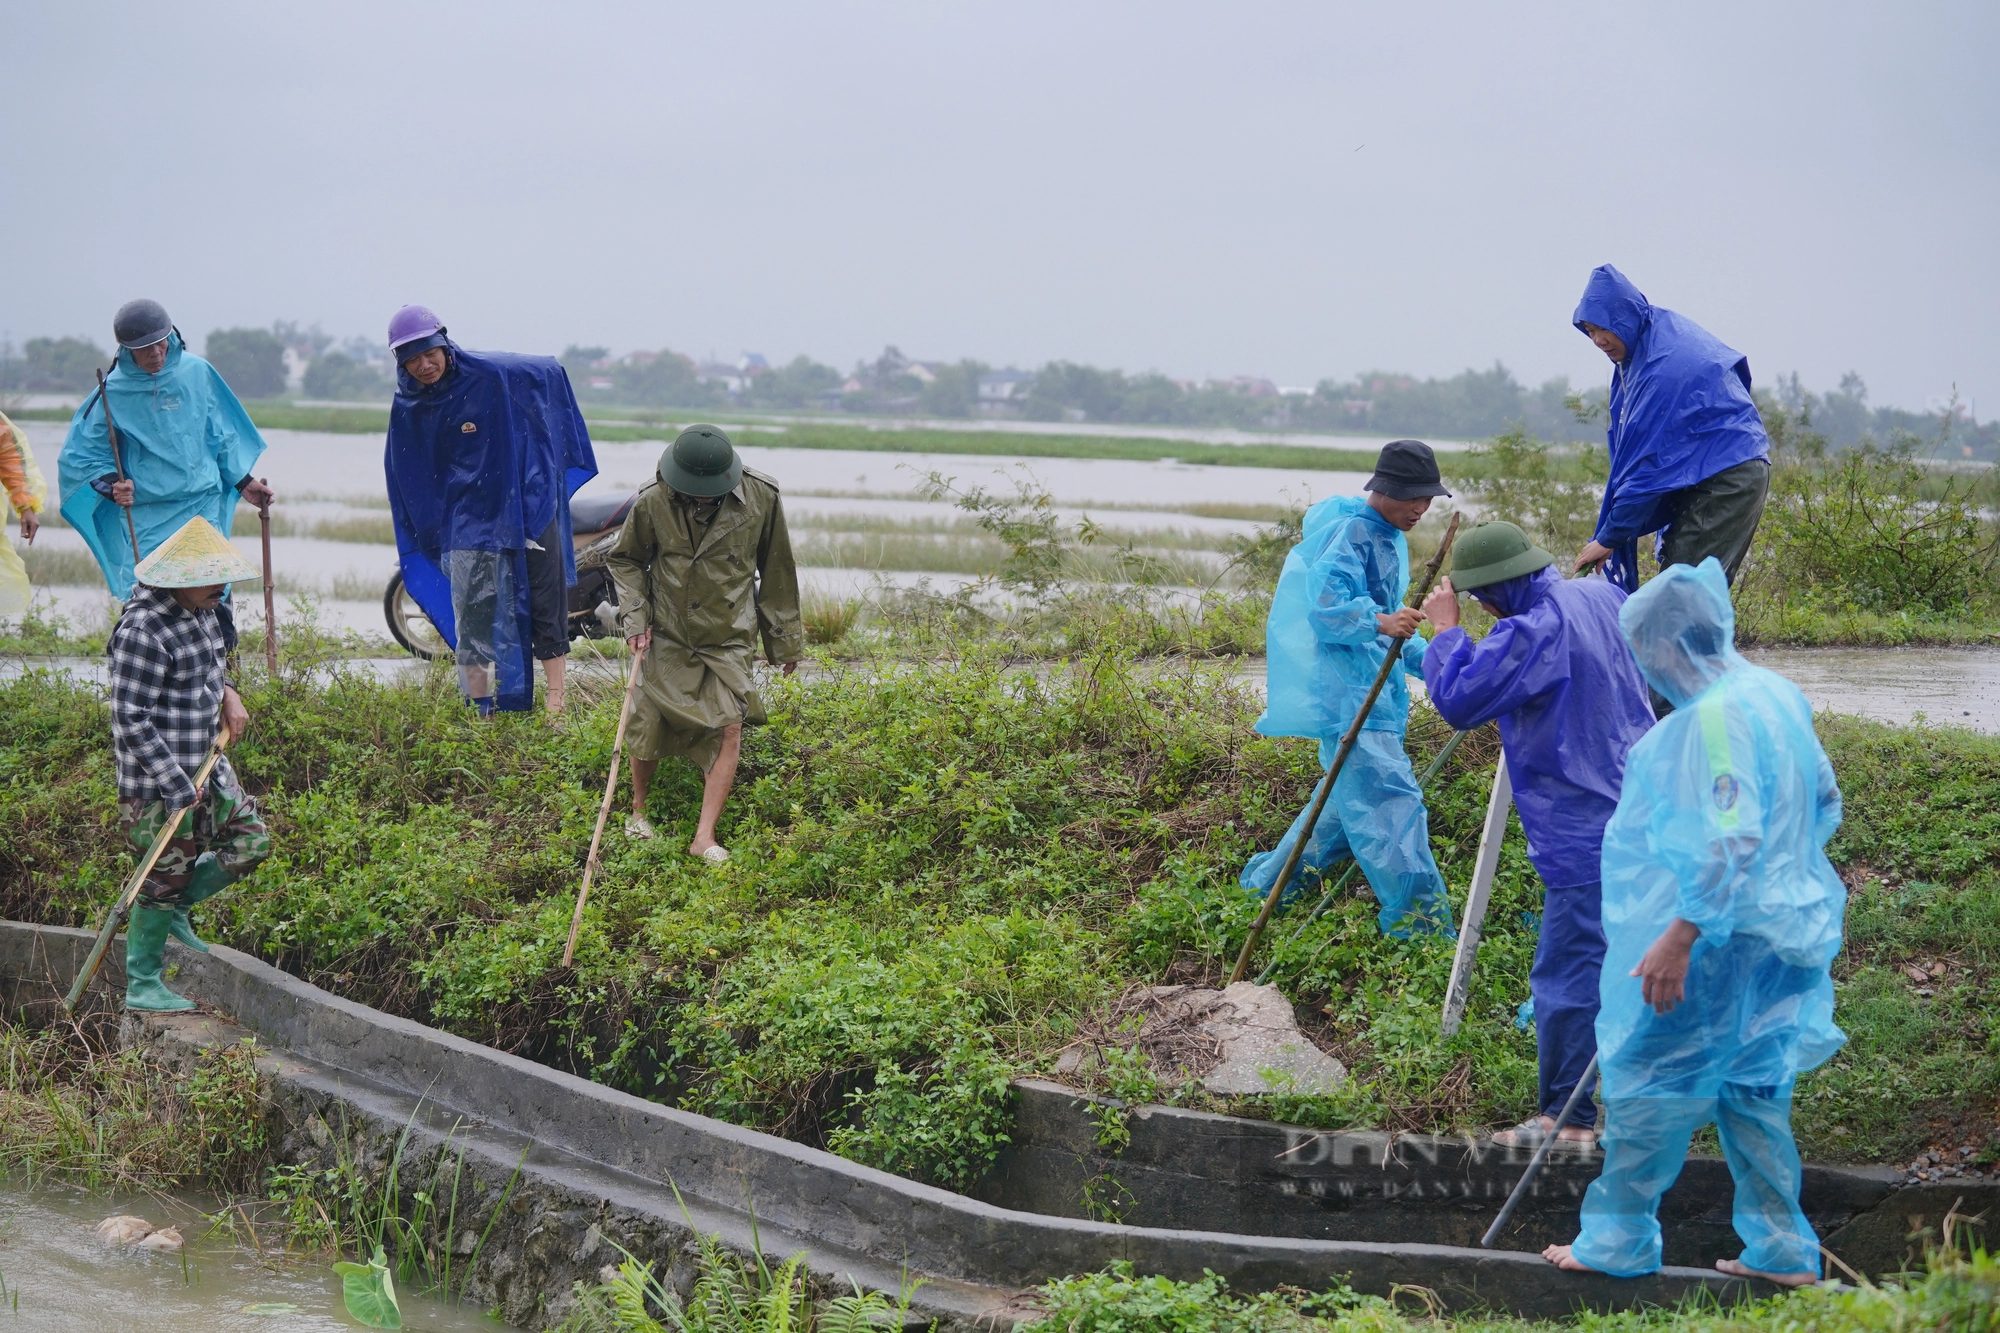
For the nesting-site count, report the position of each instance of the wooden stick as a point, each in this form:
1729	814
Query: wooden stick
1484	866
1389	660
95	958
118	462
1541	1154
270	605
604	810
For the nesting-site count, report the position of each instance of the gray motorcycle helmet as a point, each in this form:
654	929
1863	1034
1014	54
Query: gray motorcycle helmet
140	323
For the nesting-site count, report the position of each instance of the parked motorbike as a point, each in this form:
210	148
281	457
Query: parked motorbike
593	603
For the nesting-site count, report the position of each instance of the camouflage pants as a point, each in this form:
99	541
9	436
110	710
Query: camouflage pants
226	823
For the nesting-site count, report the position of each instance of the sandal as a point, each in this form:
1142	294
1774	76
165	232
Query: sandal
716	856
1530	1133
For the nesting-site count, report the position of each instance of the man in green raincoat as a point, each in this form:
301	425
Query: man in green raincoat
703	566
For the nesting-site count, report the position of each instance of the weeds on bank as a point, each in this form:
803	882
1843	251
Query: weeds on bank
1959	1291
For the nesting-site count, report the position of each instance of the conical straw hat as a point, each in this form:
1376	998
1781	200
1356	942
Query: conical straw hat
195	557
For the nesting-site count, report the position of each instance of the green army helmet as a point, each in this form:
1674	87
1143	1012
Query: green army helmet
1493	553
701	462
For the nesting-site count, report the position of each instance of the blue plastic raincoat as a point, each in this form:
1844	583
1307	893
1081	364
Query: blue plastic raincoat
1323	652
1556	674
479	465
1727	808
1681	412
186	441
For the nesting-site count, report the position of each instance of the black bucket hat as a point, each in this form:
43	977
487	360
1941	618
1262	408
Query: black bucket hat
701	462
1406	470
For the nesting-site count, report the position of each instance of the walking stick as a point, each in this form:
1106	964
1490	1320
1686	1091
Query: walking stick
1541	1154
1389	660
1326	899
270	608
1484	866
604	810
116	915
118	462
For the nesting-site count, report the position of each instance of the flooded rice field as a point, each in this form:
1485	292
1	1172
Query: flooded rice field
60	1276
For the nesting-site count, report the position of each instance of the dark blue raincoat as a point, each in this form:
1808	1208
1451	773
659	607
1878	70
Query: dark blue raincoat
1558	676
484	461
1681	412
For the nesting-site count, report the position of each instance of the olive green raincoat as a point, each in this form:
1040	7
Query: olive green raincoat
706	591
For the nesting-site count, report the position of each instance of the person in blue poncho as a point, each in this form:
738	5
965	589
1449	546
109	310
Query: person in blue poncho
1338	603
1689	456
485	450
1722	916
1557	676
185	441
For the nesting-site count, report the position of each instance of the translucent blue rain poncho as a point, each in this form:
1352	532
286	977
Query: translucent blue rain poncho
1681	412
479	465
1727	807
186	443
1323	652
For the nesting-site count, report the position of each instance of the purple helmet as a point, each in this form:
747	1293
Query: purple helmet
414	329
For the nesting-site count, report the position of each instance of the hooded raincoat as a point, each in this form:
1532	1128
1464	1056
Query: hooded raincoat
1557	676
1727	807
1323	651
1681	412
479	465
26	493
187	446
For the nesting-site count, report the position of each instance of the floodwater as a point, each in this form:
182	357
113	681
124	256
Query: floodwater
64	1278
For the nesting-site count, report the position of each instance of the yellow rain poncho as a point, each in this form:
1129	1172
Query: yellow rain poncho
26	493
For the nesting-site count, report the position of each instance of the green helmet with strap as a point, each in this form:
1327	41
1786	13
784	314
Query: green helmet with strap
701	462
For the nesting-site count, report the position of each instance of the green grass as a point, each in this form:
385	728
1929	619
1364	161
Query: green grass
945	873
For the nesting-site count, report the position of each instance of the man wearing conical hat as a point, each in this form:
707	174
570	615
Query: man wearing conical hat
169	694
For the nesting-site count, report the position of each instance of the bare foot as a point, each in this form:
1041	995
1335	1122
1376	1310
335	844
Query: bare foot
1508	1138
1735	1268
1560	1256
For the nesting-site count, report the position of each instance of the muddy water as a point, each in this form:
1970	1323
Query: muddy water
66	1279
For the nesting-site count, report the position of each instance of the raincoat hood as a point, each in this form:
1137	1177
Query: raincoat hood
1511	597
185	443
1682	629
1610	301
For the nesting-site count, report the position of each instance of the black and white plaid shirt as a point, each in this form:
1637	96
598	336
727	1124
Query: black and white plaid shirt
166	695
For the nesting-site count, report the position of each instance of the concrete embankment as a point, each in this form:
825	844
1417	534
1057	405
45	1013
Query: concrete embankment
583	1167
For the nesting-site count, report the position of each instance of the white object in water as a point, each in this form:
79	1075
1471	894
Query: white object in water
123	1229
167	1240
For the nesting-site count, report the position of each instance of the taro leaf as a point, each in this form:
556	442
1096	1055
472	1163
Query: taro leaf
370	1292
272	1307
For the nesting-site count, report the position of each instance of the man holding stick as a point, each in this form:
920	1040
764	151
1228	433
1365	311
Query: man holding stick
1557	676
1339	602
183	448
168	696
703	566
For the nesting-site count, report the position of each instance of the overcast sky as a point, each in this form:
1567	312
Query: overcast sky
1292	190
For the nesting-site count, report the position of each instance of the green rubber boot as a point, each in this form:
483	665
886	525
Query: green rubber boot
207	879
145	941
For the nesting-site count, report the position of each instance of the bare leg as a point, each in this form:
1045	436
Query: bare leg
555	670
715	788
1560	1256
478	681
642	782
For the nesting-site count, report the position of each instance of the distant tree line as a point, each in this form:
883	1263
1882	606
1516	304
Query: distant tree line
1473	404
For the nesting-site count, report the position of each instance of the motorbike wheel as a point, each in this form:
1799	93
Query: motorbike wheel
408	624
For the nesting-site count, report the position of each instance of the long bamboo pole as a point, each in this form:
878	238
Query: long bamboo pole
118	463
603	810
270	601
1389	660
119	908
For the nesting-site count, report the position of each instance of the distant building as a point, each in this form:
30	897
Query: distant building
602	382
297	358
752	363
1005	386
729	377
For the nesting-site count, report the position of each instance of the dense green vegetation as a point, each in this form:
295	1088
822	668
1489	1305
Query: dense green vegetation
947	868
